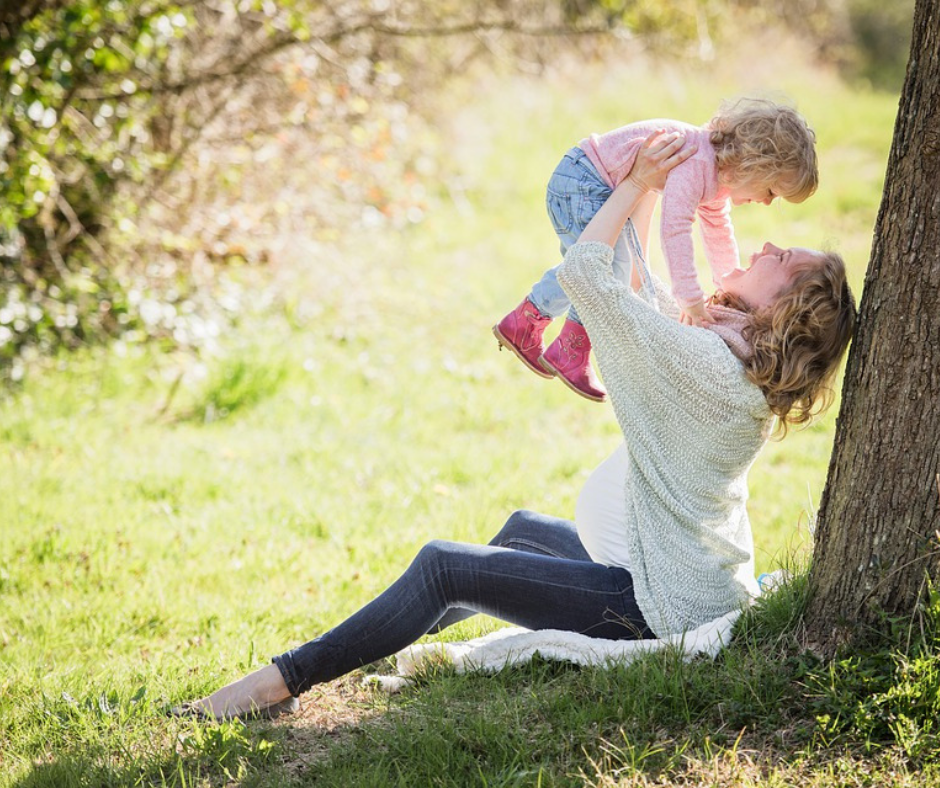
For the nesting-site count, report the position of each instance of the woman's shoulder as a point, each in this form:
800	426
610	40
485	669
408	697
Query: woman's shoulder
719	375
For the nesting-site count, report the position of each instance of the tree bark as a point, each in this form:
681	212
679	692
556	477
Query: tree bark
876	536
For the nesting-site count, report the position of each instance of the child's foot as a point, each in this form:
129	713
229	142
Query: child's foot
521	331
569	358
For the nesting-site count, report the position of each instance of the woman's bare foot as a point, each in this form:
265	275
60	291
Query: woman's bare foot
252	694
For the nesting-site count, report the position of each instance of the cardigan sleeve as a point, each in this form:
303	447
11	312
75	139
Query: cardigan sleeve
689	366
628	327
665	302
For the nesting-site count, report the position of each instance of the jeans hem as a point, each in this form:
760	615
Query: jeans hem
287	673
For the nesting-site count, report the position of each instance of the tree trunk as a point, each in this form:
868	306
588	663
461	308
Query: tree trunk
876	536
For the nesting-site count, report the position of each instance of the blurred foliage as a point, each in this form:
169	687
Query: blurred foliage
867	39
73	126
880	40
103	101
149	149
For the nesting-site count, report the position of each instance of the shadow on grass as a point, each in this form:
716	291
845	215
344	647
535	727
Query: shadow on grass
145	748
760	711
220	755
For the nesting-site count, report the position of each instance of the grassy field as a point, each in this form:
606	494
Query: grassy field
158	541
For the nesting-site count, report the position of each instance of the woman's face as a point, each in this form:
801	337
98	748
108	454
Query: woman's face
770	273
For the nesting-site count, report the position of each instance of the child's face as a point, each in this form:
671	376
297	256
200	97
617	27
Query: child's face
751	191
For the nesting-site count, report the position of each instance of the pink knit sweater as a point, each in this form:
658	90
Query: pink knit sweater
691	188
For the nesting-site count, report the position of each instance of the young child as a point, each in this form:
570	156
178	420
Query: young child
753	150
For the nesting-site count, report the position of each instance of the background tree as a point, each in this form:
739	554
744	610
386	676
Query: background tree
102	103
877	538
119	119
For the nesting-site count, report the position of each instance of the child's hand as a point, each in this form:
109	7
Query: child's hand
659	153
695	315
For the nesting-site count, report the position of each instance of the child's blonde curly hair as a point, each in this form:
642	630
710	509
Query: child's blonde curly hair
799	340
760	141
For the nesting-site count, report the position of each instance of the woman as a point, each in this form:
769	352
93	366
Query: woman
662	542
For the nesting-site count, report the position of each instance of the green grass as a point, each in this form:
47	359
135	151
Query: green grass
168	525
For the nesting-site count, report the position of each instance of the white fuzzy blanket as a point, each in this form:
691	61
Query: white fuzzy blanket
516	645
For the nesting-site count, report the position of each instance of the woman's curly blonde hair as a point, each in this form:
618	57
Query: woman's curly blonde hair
759	141
799	340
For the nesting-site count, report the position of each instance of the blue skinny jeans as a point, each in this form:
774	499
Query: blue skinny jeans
535	573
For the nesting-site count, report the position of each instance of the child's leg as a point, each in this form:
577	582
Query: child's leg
547	294
575	193
572	207
568	357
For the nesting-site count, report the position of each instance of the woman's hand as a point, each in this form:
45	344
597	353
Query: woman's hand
659	153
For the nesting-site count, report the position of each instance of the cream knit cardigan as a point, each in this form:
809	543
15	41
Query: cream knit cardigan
693	424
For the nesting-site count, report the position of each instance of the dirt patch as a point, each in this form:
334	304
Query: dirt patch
330	714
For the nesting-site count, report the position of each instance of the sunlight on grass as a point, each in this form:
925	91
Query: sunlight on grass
149	555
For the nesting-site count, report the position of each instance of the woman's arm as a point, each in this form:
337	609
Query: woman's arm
586	274
659	154
642	217
625	329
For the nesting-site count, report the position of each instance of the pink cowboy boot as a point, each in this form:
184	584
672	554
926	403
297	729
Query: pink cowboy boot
521	331
569	357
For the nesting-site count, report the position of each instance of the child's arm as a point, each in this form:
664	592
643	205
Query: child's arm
721	248
695	314
681	197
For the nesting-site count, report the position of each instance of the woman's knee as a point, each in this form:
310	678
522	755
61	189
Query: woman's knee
434	553
518	523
